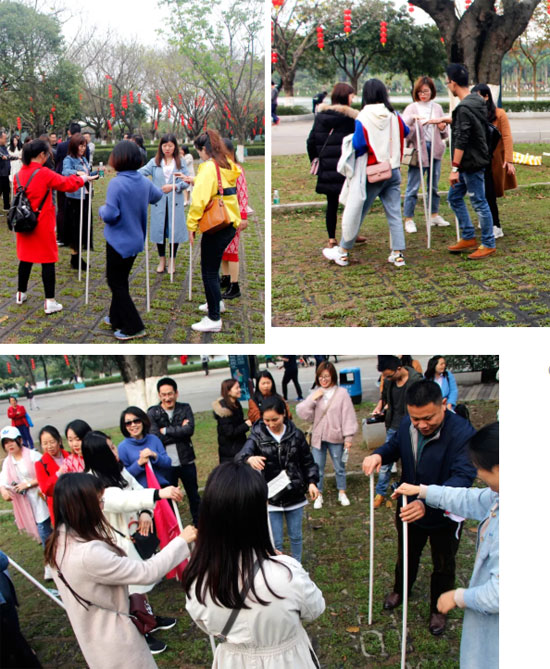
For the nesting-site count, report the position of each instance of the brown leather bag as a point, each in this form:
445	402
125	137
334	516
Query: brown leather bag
215	216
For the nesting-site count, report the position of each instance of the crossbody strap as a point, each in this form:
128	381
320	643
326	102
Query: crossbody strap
220	187
328	406
326	140
222	637
85	602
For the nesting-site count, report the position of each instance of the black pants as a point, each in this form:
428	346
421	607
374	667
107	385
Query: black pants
14	649
161	248
48	278
5	188
491	196
123	313
187	474
332	214
60	216
212	248
71	224
288	376
444	545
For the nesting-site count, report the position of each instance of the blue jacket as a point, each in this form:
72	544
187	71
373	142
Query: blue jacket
7	591
158	210
125	212
128	452
73	165
479	644
444	459
449	389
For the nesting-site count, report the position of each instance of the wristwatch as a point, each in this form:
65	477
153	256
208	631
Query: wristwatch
454	169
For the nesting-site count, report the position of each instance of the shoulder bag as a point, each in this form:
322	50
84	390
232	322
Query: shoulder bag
222	636
381	171
314	169
215	216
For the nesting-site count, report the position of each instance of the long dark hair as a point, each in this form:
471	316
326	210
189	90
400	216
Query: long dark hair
430	369
79	427
100	460
375	92
233	532
484	90
169	137
212	142
76	507
226	387
15	139
258	397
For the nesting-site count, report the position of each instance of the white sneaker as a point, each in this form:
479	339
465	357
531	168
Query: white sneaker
48	574
335	254
410	226
318	503
343	499
396	257
439	221
207	325
497	232
204	307
20	297
51	306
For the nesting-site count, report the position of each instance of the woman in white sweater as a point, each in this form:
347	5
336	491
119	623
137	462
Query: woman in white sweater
235	572
92	575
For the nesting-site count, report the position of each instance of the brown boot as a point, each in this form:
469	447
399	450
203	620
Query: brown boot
378	501
463	245
437	623
482	252
391	601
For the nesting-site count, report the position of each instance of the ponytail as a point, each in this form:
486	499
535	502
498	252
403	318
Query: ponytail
212	142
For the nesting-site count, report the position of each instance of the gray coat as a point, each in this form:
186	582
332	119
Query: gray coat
96	573
158	210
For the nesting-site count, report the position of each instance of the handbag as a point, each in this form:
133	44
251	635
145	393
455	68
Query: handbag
410	156
380	171
215	216
314	169
146	546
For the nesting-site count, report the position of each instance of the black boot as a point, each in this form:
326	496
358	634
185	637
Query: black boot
225	281
232	292
74	262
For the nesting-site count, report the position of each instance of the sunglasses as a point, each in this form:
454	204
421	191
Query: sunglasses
134	421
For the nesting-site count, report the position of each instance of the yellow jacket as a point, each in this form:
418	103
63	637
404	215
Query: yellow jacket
206	186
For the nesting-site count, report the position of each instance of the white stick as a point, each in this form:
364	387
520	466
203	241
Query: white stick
89	236
190	270
430	188
371	547
173	229
405	585
80	235
456	217
35	582
419	150
147	288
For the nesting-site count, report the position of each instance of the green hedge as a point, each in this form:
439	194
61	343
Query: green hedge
292	110
526	105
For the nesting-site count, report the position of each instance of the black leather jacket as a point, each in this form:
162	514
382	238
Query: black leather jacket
176	433
292	454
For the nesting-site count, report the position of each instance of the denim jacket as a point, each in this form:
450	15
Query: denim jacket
73	165
479	645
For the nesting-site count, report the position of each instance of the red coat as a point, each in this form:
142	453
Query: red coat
46	474
18	415
40	245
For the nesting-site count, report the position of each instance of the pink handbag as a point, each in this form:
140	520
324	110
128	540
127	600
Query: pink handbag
380	171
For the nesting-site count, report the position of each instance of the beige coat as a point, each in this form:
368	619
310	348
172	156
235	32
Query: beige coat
96	573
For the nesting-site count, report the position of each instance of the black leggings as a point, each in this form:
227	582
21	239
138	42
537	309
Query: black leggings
48	278
491	195
162	249
332	214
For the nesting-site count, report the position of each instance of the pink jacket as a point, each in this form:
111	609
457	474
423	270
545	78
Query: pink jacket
338	424
439	135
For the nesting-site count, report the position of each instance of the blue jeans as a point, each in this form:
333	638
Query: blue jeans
294	528
474	185
413	184
26	435
320	458
390	195
44	530
385	470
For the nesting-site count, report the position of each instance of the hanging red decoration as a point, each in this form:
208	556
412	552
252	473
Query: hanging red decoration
272	34
108	76
156	124
80	96
109	124
278	4
204	126
320	38
17	357
33	364
19	123
347	21
125	102
110	92
9	367
112	110
66	358
274	58
442	40
383	33
467	3
131	93
139	98
411	7
180	98
51	119
183	121
53	109
169	113
123	112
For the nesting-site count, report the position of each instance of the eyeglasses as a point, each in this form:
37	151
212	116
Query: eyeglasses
134	421
325	378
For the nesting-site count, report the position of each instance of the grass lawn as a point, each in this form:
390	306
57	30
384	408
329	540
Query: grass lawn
171	315
335	554
435	288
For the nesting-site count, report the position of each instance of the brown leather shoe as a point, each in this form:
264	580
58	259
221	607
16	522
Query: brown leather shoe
392	600
378	501
463	245
482	252
437	623
360	240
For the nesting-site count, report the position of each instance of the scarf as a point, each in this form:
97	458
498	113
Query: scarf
22	509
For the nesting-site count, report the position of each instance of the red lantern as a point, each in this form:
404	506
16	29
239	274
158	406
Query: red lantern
411	7
125	102
19	123
109	124
66	358
80	97
112	110
347	21
110	92
51	119
108	76
548	6
33	364
467	4
131	97
123	113
9	367
442	40
156	124
17	357
180	98
278	4
139	98
383	33
320	38
274	58
169	113
183	121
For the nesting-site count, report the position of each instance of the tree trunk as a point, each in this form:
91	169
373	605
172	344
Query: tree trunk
44	367
534	66
140	374
480	38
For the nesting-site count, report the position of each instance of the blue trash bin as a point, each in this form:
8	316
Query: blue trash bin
350	379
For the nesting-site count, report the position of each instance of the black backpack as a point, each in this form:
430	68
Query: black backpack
21	216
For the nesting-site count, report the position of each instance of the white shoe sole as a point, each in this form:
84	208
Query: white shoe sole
338	261
198	328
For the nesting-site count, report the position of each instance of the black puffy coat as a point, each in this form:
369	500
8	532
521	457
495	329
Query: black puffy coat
231	429
341	120
292	454
176	433
469	133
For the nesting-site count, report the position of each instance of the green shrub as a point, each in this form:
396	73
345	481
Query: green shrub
292	110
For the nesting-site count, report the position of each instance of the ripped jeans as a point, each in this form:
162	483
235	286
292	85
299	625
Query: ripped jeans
474	185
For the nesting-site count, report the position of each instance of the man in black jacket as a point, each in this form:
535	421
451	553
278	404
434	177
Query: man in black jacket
431	444
470	158
5	169
173	423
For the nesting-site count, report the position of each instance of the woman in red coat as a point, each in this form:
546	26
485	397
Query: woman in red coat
47	467
40	245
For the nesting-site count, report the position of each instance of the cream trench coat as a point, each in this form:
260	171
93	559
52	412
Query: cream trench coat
266	637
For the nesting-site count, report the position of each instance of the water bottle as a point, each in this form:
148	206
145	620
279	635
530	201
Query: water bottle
276	198
101	170
345	456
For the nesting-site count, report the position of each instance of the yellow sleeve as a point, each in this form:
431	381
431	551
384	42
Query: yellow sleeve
206	185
